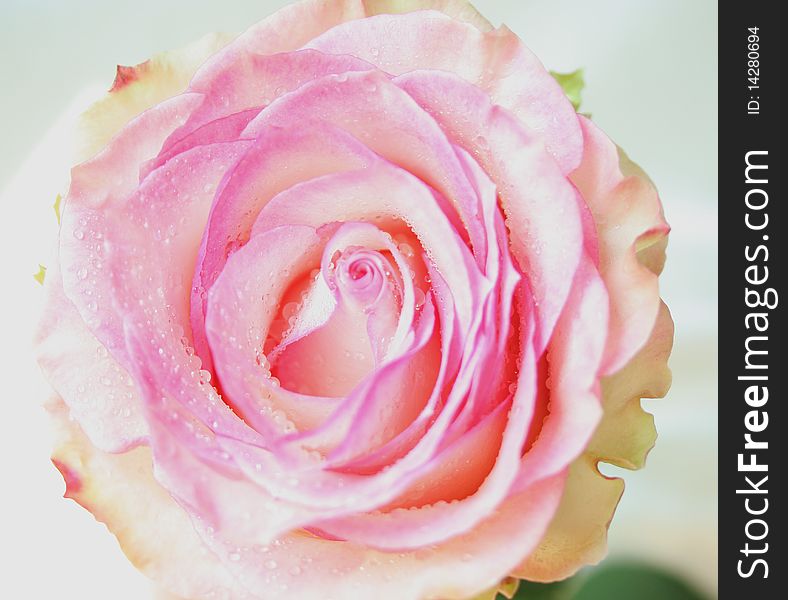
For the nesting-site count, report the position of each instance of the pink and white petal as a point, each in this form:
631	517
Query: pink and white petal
461	10
154	532
338	493
574	358
383	191
286	30
313	568
253	81
417	527
246	289
407	137
578	534
278	159
450	353
153	247
139	88
629	218
98	391
159	538
535	196
626	432
224	129
161	224
495	61
97	187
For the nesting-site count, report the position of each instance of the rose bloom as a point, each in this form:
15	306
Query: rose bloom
352	305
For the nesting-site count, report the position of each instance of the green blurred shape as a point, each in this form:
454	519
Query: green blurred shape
616	581
572	84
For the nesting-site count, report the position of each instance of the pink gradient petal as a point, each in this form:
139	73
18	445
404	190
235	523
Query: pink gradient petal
159	229
537	200
226	129
98	187
247	288
279	159
496	61
382	193
407	137
252	81
99	392
573	365
628	215
284	31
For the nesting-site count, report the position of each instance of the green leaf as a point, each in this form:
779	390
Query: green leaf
630	580
42	272
613	581
572	84
560	590
56	207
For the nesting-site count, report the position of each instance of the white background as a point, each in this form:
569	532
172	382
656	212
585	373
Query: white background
651	71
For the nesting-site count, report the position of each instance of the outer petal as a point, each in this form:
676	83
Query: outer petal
251	83
626	432
99	392
535	196
629	219
497	62
153	531
460	10
286	30
577	535
632	236
573	362
302	566
137	89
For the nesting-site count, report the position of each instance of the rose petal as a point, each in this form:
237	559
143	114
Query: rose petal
497	62
163	543
279	159
153	531
381	192
574	360
460	10
536	198
286	30
139	88
253	81
626	432
628	214
99	392
407	137
577	535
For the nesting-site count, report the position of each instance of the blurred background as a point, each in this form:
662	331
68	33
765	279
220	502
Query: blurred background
651	84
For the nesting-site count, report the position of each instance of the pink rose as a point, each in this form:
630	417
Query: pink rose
358	312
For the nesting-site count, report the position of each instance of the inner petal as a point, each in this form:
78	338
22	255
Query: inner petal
332	359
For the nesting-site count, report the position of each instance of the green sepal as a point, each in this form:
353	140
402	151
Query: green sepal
572	84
